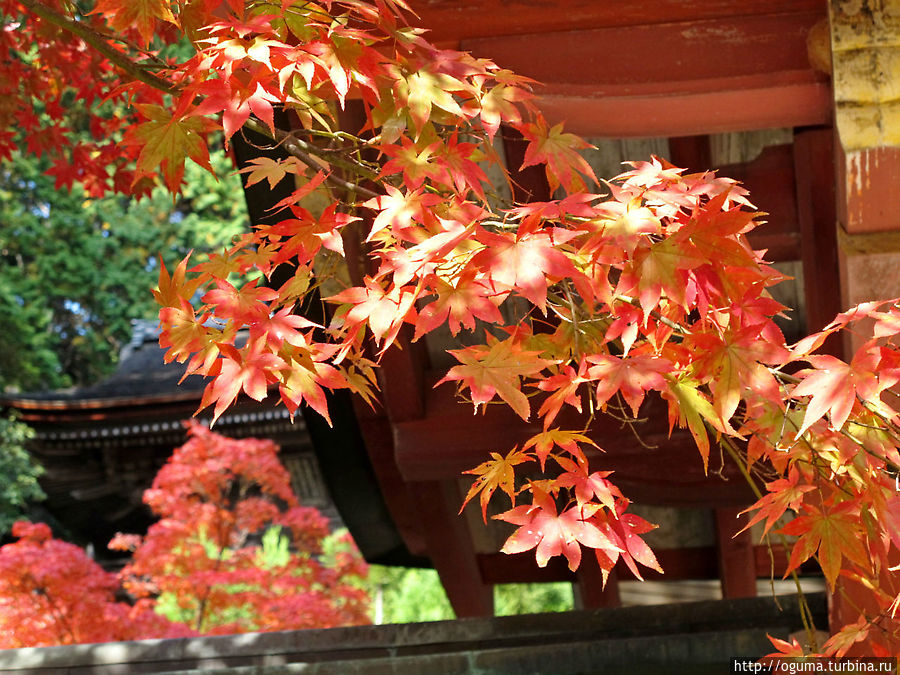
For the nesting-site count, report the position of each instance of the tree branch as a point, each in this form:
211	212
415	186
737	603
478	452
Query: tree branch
99	42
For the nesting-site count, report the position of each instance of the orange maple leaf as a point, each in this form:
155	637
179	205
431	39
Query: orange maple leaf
831	534
166	141
496	370
496	472
140	14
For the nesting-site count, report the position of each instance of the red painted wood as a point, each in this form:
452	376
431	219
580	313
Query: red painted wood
692	153
450	548
735	554
770	179
401	378
589	589
528	184
664	471
678	564
758	102
452	20
815	178
664	53
379	440
868	199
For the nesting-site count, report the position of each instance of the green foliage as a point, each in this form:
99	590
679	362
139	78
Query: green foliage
18	473
410	595
532	598
74	270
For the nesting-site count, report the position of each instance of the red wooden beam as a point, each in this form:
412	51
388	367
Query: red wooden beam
449	545
656	469
735	554
672	79
450	21
678	564
665	55
757	102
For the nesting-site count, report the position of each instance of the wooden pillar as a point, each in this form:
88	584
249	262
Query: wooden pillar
865	50
692	153
590	593
736	555
814	166
450	546
529	184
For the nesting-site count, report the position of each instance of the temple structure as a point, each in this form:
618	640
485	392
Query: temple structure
797	100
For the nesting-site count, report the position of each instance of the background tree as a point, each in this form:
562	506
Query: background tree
581	305
75	269
233	551
413	595
18	473
52	593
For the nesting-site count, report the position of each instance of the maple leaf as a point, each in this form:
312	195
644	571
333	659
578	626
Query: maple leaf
841	642
237	101
524	264
174	290
785	648
414	163
545	441
302	382
632	377
427	90
783	494
587	487
382	311
831	534
460	163
565	390
834	386
496	369
140	14
244	305
498	105
496	472
250	369
559	151
400	210
733	362
553	534
166	142
458	306
623	531
690	407
662	268
281	327
271	169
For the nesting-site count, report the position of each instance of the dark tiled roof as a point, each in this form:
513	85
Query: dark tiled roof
141	374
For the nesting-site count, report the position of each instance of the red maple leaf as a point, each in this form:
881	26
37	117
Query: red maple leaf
525	264
553	534
632	377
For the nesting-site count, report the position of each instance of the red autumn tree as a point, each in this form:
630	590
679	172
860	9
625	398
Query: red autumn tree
52	593
581	305
205	564
216	498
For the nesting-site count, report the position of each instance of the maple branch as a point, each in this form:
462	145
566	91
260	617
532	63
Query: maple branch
99	42
805	612
634	302
305	152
